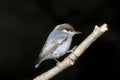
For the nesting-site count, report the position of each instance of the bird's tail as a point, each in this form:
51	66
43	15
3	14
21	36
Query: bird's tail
38	62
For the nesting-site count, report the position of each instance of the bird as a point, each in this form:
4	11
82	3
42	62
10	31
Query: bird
57	43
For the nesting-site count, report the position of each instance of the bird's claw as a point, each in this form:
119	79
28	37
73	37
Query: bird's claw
72	49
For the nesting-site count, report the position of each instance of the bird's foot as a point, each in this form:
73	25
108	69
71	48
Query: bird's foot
58	62
72	50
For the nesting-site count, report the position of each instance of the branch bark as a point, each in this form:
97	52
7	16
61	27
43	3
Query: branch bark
71	59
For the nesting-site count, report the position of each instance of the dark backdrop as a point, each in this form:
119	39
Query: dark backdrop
25	25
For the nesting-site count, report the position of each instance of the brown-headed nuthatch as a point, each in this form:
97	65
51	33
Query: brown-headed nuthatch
57	44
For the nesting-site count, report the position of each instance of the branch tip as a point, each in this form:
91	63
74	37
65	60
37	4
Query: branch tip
104	27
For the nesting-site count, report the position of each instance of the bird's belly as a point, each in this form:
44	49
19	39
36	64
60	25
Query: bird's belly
62	49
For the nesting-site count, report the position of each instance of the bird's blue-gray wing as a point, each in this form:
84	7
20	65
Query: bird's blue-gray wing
53	41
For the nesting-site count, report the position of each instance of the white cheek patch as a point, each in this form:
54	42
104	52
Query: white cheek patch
65	30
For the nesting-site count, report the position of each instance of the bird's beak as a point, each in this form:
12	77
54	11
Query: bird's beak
77	32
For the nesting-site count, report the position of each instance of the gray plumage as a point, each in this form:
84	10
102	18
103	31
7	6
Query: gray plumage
57	43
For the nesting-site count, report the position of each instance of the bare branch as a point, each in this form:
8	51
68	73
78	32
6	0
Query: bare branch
70	59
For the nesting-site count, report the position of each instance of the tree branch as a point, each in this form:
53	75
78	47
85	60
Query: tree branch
71	59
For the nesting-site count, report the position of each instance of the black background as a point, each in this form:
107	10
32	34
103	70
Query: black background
25	25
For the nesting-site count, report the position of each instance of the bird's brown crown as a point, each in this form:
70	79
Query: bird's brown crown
65	26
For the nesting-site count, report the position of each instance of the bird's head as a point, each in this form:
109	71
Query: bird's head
67	28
